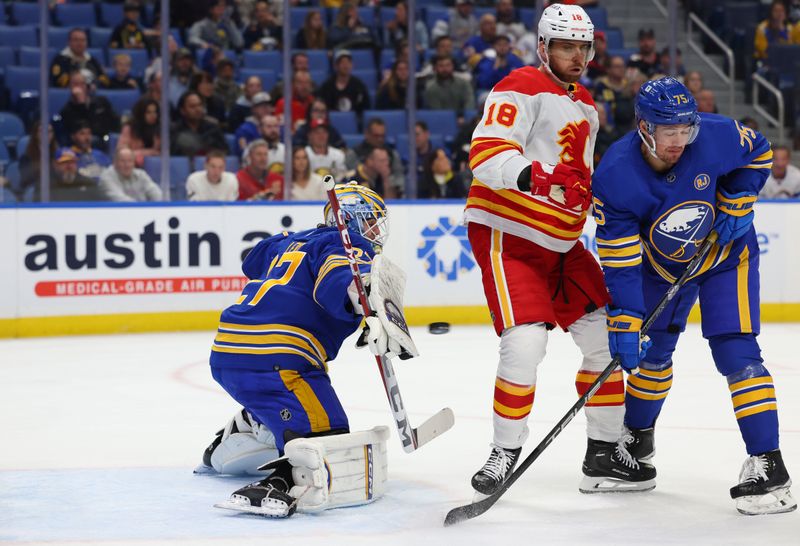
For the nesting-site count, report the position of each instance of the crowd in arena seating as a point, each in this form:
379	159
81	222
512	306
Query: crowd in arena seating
350	79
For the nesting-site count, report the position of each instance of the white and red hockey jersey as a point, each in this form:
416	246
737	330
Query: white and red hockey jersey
528	117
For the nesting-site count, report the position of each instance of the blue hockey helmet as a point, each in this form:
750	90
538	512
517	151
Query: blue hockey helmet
364	212
666	101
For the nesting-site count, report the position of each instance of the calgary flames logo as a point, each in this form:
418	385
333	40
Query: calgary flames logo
573	139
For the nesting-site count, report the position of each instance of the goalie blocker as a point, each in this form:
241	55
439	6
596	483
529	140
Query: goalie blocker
317	474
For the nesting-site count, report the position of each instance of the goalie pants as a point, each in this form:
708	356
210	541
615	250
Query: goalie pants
729	305
530	290
290	402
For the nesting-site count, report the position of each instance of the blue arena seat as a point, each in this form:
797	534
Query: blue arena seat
25	13
297	16
317	59
403	142
319	76
121	100
435	13
7	57
598	16
263	60
19	36
58	37
5	157
440	121
367	15
363	59
111	14
352	139
344	122
268	77
615	39
22	144
395	120
179	169
21	78
56	99
14	177
75	15
369	77
11	128
99	36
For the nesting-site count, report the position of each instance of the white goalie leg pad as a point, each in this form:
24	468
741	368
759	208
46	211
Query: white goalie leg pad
387	284
337	471
245	446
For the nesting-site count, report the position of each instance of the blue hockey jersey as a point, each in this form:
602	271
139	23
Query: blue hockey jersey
294	311
663	218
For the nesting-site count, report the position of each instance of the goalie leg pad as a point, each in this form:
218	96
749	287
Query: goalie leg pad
337	471
240	447
387	284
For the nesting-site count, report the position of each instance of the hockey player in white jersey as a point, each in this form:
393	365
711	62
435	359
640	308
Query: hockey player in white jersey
531	156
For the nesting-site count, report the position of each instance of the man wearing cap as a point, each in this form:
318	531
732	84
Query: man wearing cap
497	63
216	30
248	131
123	182
344	92
322	158
182	71
463	23
85	107
646	59
225	86
91	162
129	33
67	184
75	57
241	109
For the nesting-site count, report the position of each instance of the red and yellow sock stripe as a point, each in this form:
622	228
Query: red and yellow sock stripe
610	393
511	400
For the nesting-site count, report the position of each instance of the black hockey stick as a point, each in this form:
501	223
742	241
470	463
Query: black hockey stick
411	438
475	509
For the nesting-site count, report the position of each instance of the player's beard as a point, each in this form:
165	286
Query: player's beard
564	77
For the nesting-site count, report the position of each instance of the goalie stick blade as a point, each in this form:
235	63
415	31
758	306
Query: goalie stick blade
433	427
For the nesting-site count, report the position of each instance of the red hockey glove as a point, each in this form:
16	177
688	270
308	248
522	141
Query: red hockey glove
573	180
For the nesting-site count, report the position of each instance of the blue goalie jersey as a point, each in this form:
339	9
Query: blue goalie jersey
663	218
294	312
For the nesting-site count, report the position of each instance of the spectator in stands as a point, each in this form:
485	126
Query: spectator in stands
306	185
122	181
508	20
300	63
461	145
750	122
438	180
392	91
250	130
706	102
475	46
67	184
396	30
129	33
375	173
610	87
241	109
322	157
343	91
624	111
422	142
122	78
225	86
318	110
784	180
83	106
212	183
193	134
443	46
203	84
312	35
153	83
646	59
664	63
142	133
216	30
598	66
263	33
463	23
30	157
607	135
375	137
255	184
445	91
301	98
774	30
348	31
271	134
73	58
495	66
693	80
182	71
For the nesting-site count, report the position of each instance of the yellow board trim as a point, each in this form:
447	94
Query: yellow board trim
130	323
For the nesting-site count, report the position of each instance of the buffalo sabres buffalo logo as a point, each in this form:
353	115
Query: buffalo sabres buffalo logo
701	181
678	233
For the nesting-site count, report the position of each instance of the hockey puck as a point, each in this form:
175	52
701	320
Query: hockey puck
439	327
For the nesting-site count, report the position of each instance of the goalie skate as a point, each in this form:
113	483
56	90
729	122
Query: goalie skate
764	486
609	468
261	498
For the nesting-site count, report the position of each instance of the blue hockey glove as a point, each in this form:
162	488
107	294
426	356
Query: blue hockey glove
624	339
735	215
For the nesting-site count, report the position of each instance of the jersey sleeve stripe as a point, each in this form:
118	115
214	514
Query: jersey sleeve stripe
628	251
622	241
228	327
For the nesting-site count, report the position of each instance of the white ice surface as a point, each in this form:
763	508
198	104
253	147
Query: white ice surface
99	435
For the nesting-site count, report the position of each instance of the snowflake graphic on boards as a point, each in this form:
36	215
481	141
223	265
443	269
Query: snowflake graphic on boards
445	250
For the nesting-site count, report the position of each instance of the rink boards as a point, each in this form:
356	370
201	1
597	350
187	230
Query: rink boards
117	268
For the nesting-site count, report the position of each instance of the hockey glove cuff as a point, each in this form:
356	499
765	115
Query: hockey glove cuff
573	181
378	340
735	215
352	293
624	338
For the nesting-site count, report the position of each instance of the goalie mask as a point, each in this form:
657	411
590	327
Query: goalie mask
364	212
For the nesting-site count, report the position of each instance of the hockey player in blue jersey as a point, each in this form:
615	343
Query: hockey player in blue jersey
271	355
658	193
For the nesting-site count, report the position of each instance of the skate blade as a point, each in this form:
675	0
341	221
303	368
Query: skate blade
779	501
250	509
203	470
590	485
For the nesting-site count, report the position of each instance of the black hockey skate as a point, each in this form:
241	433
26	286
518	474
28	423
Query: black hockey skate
609	468
488	479
640	443
764	486
269	497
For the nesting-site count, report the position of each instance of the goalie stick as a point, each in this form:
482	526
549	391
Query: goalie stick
441	422
475	509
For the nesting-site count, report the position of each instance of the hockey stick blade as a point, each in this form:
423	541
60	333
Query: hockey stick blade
435	426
